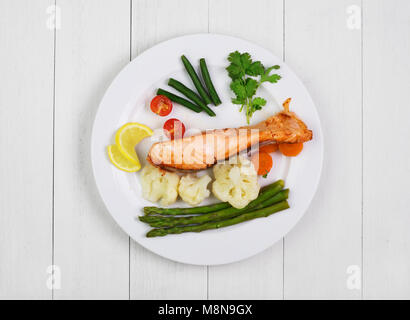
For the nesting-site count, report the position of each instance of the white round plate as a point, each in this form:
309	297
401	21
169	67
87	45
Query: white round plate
127	100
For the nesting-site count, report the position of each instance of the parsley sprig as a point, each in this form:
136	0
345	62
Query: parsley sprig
247	76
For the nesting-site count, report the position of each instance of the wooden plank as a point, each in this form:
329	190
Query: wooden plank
235	18
326	55
90	249
259	277
152	277
386	51
26	133
155	21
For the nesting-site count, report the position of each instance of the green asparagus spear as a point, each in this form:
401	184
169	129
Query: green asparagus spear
185	211
166	222
265	212
227	213
196	210
280	196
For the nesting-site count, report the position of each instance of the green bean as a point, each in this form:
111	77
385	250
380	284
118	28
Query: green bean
181	101
195	79
208	82
190	95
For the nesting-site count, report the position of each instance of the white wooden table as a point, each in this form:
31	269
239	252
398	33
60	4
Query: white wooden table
55	65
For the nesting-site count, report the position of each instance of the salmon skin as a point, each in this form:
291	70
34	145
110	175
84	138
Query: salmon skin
203	150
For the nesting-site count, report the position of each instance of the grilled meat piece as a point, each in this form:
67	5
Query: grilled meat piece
201	151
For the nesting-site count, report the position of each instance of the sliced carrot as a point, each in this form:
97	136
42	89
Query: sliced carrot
270	148
290	149
262	162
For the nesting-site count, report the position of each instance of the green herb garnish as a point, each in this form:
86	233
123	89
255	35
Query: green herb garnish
247	76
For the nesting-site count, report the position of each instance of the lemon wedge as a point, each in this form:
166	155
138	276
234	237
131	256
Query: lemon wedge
121	162
127	137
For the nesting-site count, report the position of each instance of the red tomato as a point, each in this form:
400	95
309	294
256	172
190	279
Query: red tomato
174	129
161	105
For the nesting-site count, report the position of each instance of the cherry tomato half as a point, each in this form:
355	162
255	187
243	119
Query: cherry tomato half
161	105
174	129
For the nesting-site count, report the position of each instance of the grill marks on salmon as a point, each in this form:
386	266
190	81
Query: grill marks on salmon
202	151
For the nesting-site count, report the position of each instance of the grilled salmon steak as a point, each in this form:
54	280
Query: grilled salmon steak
203	150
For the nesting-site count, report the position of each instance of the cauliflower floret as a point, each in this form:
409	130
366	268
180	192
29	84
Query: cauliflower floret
159	184
193	190
236	183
